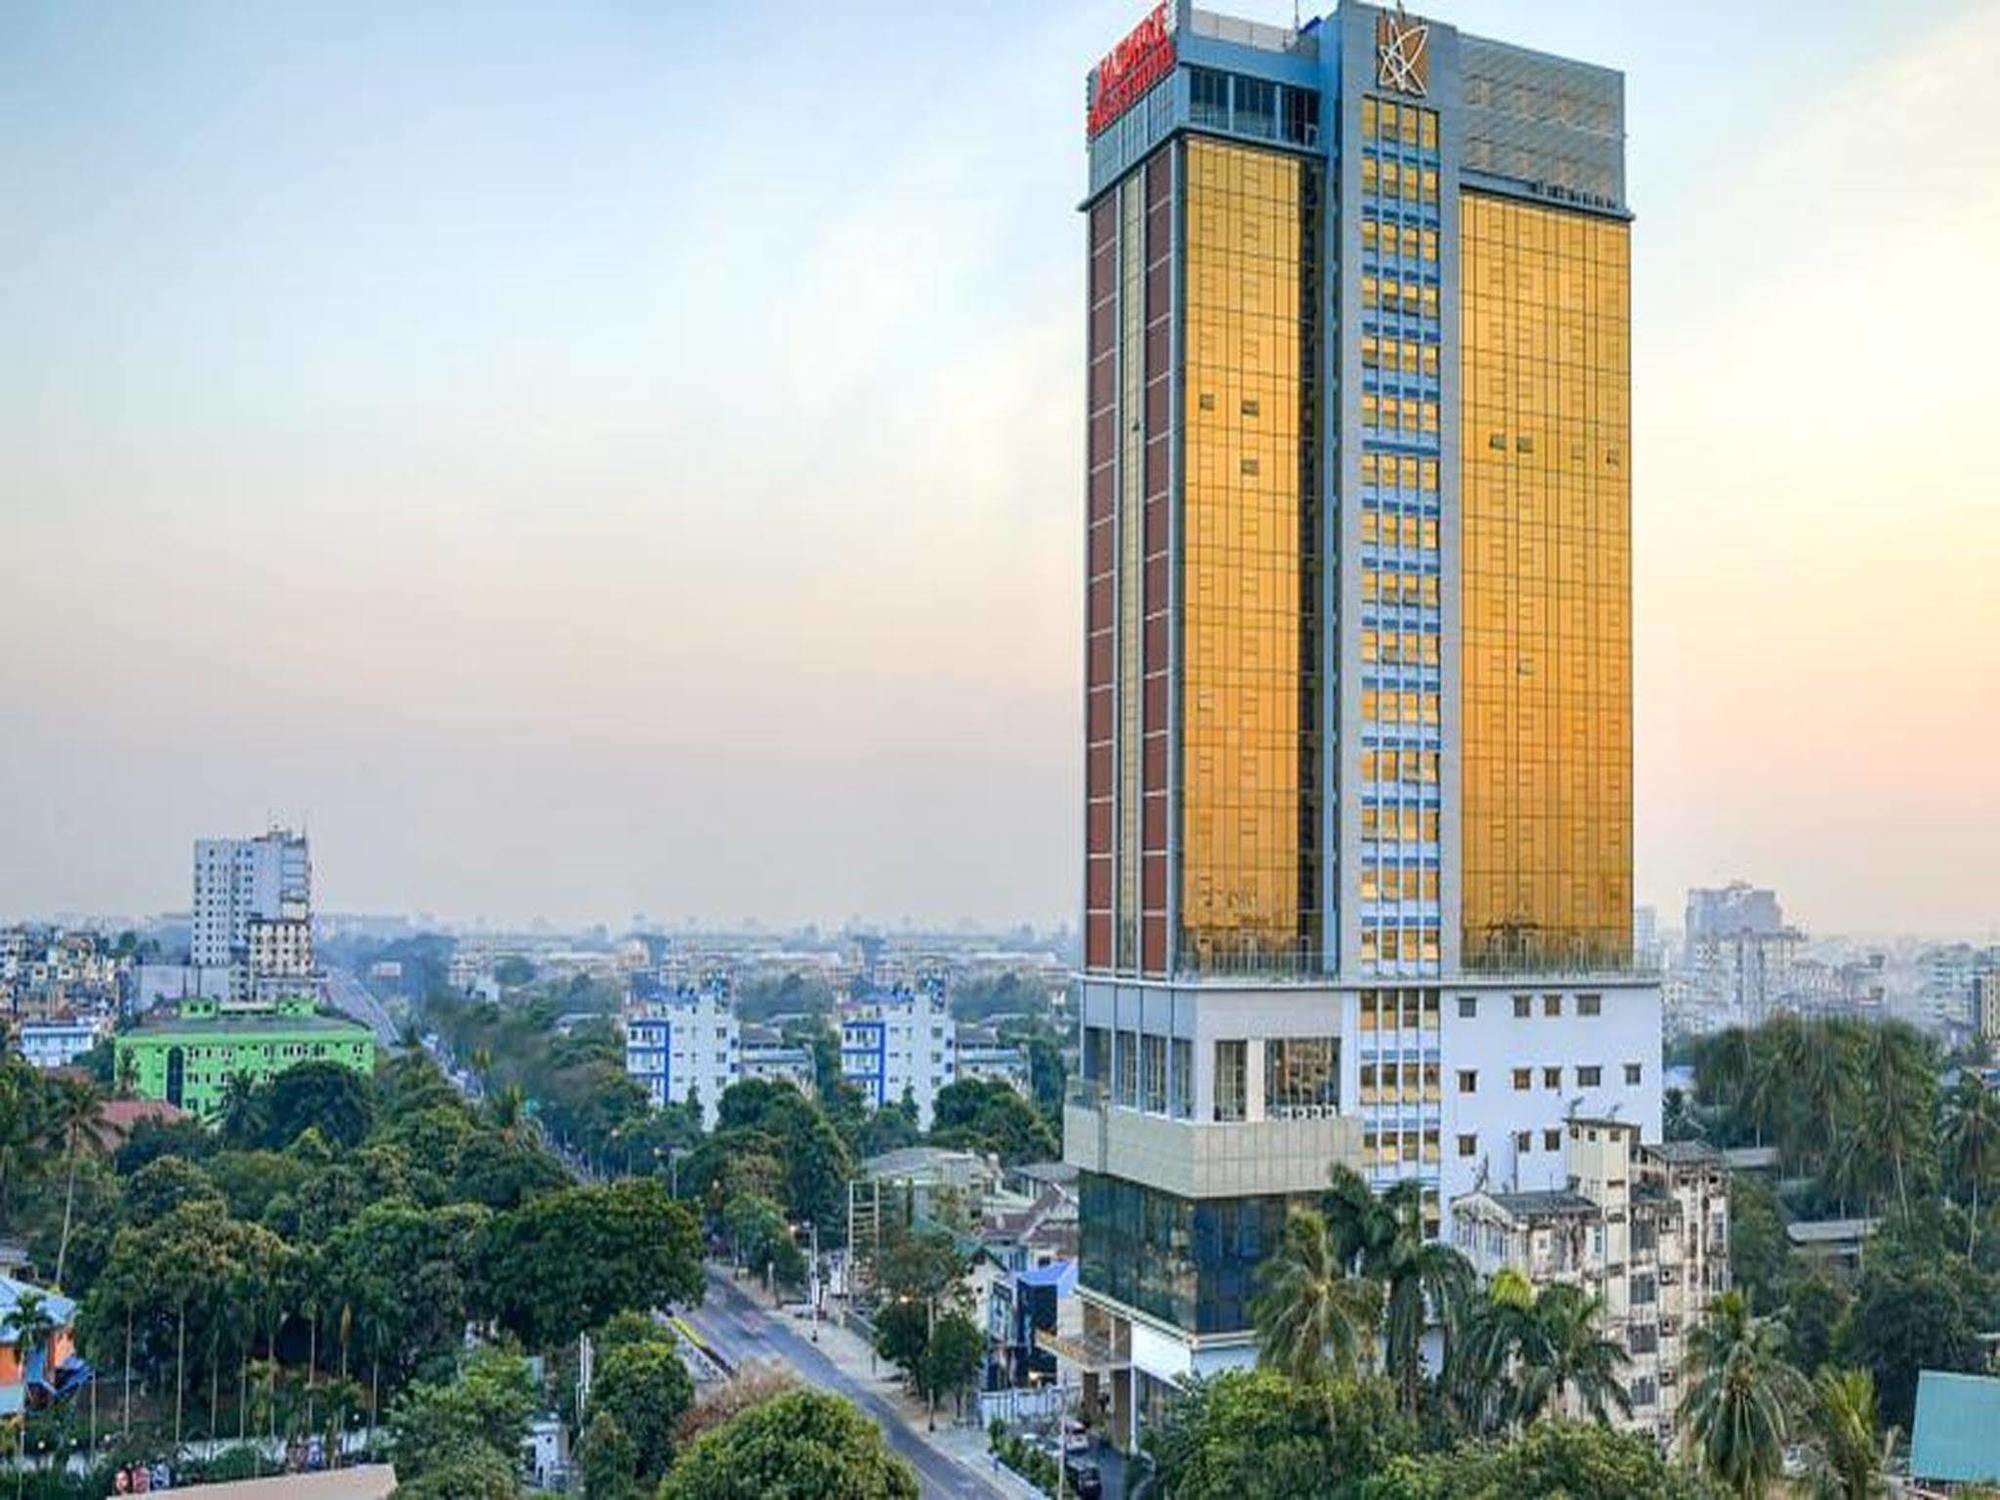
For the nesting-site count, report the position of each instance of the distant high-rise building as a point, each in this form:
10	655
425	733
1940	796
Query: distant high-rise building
1734	910
1737	951
1357	816
252	911
1987	1005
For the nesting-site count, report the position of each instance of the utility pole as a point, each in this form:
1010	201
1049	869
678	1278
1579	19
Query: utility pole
812	1281
930	1385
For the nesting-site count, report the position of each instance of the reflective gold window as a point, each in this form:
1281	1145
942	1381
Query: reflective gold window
1243	895
1546	571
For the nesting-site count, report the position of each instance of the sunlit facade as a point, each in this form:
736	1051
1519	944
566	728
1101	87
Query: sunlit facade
1358	804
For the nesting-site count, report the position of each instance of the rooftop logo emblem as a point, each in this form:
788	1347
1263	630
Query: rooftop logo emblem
1403	53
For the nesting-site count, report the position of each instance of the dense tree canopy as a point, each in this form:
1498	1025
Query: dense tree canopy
802	1445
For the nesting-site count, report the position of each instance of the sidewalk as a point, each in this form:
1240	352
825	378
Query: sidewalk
964	1444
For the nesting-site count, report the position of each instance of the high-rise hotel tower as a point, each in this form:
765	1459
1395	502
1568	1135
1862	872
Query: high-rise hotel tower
1358	680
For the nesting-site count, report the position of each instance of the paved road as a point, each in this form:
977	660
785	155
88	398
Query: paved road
351	996
740	1330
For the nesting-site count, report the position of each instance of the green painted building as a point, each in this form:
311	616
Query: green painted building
190	1059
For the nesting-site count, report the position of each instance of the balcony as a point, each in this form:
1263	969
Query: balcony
1091	1353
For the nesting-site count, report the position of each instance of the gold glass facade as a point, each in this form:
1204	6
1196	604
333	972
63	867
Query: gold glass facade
1246	885
1545	560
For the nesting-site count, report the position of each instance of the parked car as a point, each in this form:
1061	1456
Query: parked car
1083	1480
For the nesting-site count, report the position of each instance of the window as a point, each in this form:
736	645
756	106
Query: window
1552	1005
1128	1069
1522	1005
1468	1145
1589	1005
1589	1078
1468	1007
1552	1140
1153	1073
1552	1078
1181	1077
1302	1075
1231	1079
1468	1080
1524	1140
1209	97
1631	1073
1523	1080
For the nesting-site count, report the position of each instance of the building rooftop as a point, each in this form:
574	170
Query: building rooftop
1831	1231
57	1306
250	1022
368	1482
1545	1204
1687	1153
1956	1436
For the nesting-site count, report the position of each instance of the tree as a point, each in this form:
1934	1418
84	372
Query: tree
1419	1276
1260	1435
74	1117
1741	1396
473	1473
1969	1133
1812	1317
803	1445
645	1389
1574	1460
609	1461
1901	1085
1848	1457
326	1096
1567	1354
987	1115
565	1262
438	1425
1312	1318
1759	1254
1909	1315
170	1183
954	1357
410	1274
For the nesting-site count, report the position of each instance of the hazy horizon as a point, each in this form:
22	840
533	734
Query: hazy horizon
598	459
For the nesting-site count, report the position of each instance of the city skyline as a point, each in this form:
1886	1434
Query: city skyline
377	406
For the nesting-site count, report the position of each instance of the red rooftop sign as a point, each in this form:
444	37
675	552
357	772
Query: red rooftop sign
1131	68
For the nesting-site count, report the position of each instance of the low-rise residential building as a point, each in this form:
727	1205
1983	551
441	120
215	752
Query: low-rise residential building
57	1044
189	1060
1645	1228
774	1062
982	1056
38	1360
900	1044
686	1044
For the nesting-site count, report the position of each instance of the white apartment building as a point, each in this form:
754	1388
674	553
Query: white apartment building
1644	1228
242	882
687	1044
57	1044
899	1044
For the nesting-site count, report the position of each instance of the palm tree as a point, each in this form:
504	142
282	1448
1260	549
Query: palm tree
505	1107
1419	1277
1818	1057
1495	1327
1899	1084
76	1111
1969	1132
21	1135
239	1108
1312	1317
1848	1459
1567	1353
1738	1407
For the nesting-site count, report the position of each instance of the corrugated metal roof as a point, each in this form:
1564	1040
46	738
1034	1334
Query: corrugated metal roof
1956	1436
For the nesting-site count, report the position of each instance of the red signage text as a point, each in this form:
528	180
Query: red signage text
1130	69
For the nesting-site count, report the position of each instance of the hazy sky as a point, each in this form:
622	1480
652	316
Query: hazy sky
598	458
